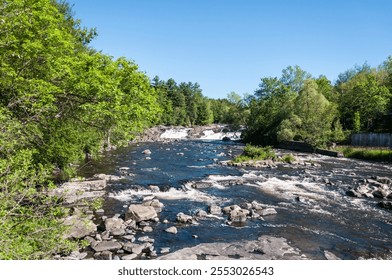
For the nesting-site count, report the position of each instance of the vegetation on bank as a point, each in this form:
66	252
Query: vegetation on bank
372	154
62	101
255	153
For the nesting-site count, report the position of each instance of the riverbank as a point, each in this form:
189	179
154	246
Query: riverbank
169	199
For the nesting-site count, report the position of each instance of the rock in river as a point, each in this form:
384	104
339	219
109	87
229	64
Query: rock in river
140	213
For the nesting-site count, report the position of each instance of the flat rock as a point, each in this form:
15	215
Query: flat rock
129	257
264	248
106	246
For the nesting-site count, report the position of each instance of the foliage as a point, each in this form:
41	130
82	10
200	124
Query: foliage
59	99
182	104
288	158
255	153
371	154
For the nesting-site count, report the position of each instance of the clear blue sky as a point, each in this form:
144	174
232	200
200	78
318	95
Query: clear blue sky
227	45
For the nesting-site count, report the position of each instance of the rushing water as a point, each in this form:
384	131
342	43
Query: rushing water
313	215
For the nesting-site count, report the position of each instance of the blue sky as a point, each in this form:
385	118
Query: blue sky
227	45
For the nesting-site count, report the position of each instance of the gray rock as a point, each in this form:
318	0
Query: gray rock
183	218
133	248
140	213
158	206
115	226
73	192
256	205
105	255
146	239
129	257
264	248
214	210
106	246
230	208
172	230
79	227
384	180
165	250
129	237
146	152
238	215
381	193
147	229
201	214
330	256
268	211
154	189
353	193
246	205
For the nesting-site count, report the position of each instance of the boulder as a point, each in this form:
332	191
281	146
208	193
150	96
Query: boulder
146	152
147	229
201	214
133	248
172	230
79	227
115	226
381	193
158	206
238	215
214	210
230	208
256	205
106	246
140	213
268	211
183	218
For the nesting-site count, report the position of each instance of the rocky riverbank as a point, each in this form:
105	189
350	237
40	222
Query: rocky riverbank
129	234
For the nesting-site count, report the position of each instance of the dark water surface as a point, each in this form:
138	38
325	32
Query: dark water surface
312	215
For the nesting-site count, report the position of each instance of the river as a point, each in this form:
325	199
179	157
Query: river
314	213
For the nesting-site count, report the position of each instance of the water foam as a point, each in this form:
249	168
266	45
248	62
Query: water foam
176	133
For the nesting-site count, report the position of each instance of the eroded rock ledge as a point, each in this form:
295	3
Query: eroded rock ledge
264	248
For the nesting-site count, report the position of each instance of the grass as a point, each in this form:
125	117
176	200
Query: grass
288	158
372	154
255	153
